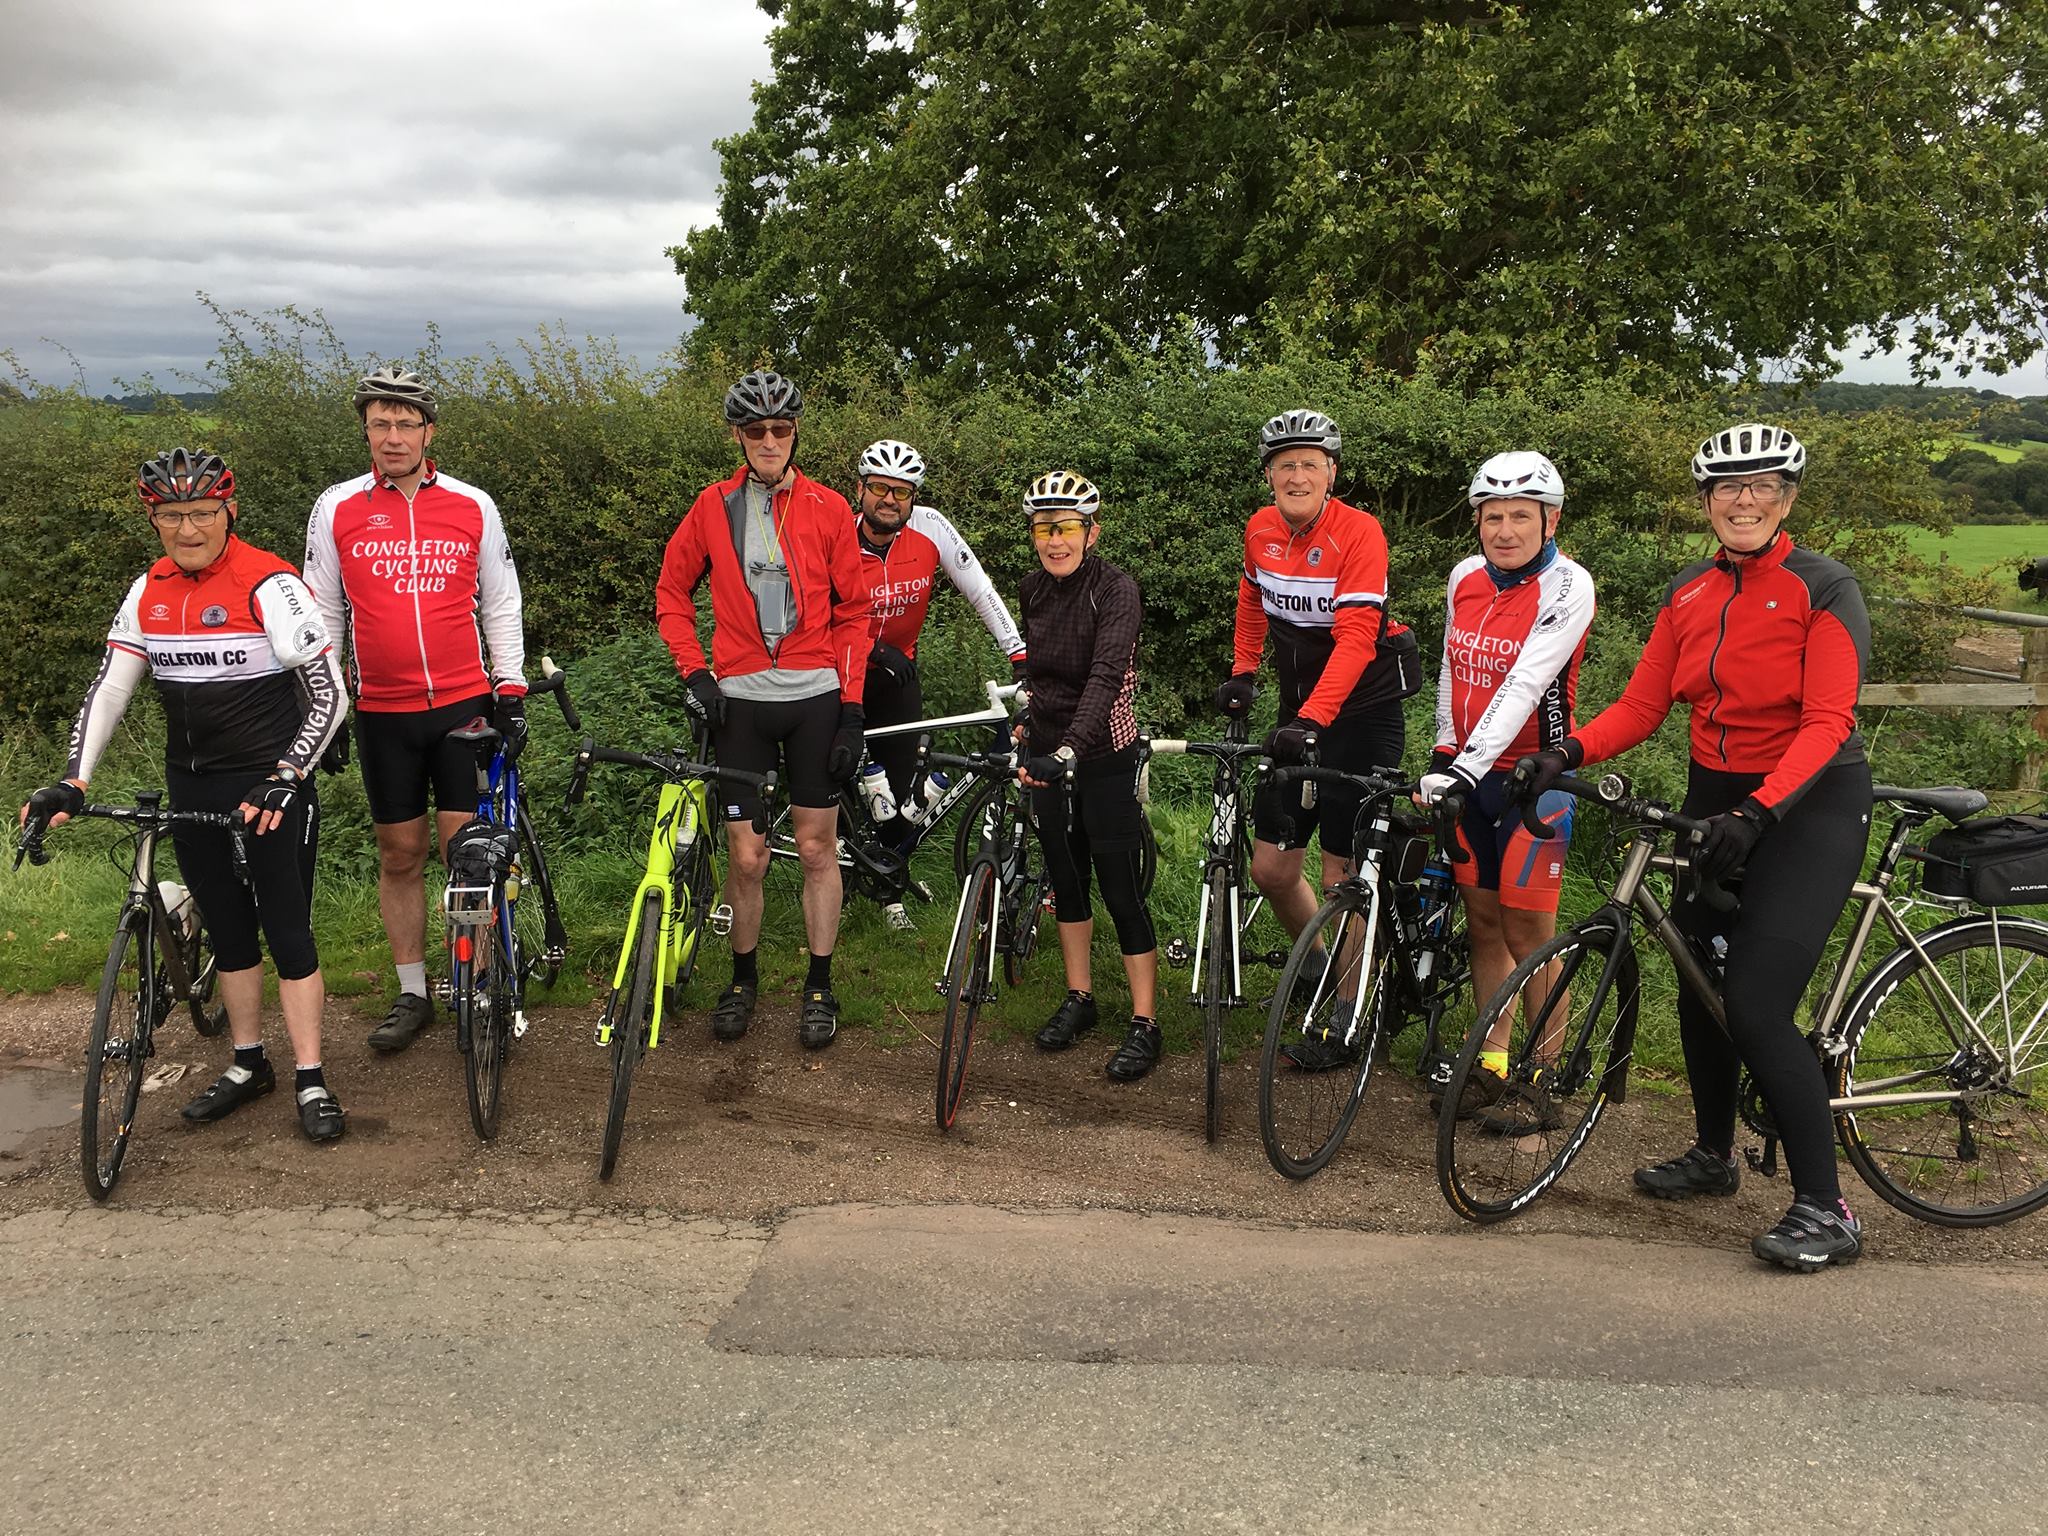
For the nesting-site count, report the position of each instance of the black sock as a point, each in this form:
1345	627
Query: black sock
819	977
1139	1021
249	1057
309	1077
746	972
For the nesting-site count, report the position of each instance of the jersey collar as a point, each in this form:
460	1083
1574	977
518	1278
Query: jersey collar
1545	558
427	476
1769	557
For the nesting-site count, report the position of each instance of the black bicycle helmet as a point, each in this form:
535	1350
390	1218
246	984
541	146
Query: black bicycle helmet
398	385
182	475
763	396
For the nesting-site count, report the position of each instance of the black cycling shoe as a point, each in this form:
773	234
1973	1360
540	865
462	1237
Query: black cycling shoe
408	1016
1694	1172
226	1095
320	1117
1810	1237
1069	1022
733	1012
818	1020
1315	1053
1138	1054
1524	1107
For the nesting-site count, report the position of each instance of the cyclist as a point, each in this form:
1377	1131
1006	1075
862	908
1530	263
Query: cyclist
251	694
1081	621
790	613
1315	578
1515	622
414	567
1766	643
905	545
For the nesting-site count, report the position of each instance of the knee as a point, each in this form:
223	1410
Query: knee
1272	872
402	858
747	862
1522	931
817	852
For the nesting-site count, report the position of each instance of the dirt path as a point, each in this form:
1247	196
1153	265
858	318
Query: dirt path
754	1129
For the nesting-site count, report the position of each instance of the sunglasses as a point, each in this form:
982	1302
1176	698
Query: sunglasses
895	493
203	518
1065	528
758	431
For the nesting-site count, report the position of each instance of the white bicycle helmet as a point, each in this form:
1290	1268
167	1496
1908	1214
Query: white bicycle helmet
1750	449
893	461
1520	473
1061	490
1299	429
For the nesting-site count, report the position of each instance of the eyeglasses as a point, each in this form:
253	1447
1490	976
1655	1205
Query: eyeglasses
1298	466
199	519
383	426
895	493
756	431
1065	528
1768	492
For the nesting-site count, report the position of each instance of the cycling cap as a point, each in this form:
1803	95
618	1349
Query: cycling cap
896	461
1299	429
763	396
1750	449
1520	473
182	475
398	385
1061	490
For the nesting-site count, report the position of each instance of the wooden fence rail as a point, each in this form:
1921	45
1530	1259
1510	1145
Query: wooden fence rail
2029	693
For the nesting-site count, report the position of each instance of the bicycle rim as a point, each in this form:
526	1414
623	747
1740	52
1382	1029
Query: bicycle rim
630	1024
542	932
1980	1160
1327	1012
1500	1145
967	983
1215	996
484	1002
124	1020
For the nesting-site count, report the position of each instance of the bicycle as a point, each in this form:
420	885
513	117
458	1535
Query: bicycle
1380	951
156	961
1934	1049
1219	953
672	906
1000	900
496	943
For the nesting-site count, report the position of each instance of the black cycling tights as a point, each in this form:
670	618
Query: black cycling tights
279	896
1793	891
1105	830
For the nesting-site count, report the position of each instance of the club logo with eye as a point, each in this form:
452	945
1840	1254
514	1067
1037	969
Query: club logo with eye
214	616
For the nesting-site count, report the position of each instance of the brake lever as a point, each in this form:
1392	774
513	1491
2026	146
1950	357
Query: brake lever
579	776
1449	811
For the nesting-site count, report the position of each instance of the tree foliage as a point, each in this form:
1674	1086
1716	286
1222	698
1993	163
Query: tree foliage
977	188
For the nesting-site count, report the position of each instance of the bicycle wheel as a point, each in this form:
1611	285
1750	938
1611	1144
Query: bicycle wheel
967	987
484	1000
1501	1143
1980	1159
543	939
1321	1035
967	830
124	1019
632	1014
697	889
1215	997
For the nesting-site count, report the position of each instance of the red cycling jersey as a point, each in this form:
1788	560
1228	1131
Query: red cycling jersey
420	585
1512	646
828	580
903	575
1769	652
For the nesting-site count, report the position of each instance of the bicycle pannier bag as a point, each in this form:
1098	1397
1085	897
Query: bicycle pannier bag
1994	861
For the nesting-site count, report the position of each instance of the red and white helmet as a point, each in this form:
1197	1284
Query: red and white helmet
1520	473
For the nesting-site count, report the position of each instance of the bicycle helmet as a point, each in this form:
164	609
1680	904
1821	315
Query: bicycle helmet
893	460
1299	428
1750	449
398	385
182	475
1521	473
763	396
1061	490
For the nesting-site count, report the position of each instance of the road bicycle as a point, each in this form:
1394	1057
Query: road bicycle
504	924
1221	948
671	909
1932	1058
159	958
1388	947
1000	901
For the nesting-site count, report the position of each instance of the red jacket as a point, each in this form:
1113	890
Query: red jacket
1769	651
833	601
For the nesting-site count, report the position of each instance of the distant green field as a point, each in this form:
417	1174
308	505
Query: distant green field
2005	453
1993	548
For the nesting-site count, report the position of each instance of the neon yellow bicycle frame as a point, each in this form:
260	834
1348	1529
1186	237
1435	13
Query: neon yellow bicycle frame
682	815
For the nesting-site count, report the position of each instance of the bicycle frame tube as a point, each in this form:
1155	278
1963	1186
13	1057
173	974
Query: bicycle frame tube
678	821
1631	891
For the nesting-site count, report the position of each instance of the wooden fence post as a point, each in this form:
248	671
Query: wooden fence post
2034	671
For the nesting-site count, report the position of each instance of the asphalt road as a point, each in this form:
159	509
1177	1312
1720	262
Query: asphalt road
956	1368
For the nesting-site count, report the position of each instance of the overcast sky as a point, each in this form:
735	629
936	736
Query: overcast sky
489	166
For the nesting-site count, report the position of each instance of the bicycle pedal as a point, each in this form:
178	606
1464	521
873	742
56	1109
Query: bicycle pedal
1179	954
720	919
443	988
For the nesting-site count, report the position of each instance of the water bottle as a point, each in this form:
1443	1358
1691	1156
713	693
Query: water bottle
1435	892
935	786
874	788
178	903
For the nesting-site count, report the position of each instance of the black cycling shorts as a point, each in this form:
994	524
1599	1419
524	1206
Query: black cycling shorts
1374	739
792	737
278	898
406	750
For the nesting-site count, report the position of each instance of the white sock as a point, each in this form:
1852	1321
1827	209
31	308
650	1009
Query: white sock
413	978
238	1074
308	1095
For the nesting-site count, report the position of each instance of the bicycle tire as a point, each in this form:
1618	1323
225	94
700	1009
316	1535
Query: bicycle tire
209	1018
1501	1154
124	1020
634	1011
1215	988
697	889
1023	929
542	933
967	983
967	830
1988	1163
1305	1115
483	1017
